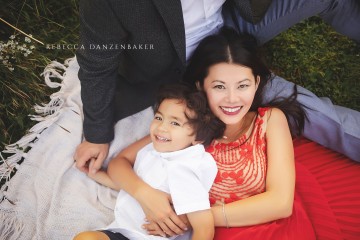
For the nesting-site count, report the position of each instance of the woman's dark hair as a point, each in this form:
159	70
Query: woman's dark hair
205	124
230	47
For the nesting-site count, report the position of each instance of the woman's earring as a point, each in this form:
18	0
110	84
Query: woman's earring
257	82
198	87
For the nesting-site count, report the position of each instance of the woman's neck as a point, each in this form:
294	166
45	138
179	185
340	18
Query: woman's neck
234	131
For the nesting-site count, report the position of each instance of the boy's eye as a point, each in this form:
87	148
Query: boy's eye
175	124
158	118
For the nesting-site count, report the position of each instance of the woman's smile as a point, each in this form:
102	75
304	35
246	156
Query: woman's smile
230	110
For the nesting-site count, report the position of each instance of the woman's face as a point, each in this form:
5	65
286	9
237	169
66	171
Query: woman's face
230	89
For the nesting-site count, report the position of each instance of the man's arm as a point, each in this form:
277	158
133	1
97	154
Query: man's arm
98	74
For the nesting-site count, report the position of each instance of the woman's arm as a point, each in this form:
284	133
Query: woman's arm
202	223
155	203
277	201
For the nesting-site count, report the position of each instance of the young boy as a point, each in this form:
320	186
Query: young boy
174	162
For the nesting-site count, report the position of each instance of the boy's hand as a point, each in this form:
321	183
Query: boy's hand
91	174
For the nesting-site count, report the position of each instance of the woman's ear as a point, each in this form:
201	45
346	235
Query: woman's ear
198	86
257	82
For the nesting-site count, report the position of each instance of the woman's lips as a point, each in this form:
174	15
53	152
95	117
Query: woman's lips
230	110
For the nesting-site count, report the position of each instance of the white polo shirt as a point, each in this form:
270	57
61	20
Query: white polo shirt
201	18
187	175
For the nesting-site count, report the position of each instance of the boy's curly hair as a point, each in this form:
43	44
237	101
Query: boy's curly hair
205	124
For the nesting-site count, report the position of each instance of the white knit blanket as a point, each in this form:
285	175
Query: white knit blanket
48	198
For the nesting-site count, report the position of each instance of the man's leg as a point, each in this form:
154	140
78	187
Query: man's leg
332	126
342	15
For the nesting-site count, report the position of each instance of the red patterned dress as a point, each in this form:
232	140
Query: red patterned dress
242	167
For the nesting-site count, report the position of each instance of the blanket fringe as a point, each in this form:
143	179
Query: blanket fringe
11	227
47	114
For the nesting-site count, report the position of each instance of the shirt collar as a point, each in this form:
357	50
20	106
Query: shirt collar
188	152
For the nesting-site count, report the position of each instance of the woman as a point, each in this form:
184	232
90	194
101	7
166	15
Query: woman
256	177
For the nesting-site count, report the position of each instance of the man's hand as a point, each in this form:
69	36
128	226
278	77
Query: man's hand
90	156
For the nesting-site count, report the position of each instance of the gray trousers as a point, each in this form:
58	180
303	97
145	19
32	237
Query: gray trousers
332	126
342	15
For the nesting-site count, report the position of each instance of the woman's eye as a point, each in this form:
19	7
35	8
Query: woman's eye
219	87
175	123
243	85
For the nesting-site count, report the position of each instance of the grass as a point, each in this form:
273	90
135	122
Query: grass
310	54
55	22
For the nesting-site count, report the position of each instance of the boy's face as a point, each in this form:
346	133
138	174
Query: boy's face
170	130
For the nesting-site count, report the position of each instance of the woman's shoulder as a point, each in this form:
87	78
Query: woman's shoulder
275	118
270	111
270	116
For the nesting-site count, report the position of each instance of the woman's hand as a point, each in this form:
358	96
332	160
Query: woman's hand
159	212
154	229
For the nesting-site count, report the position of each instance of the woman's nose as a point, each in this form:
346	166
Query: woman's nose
231	96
